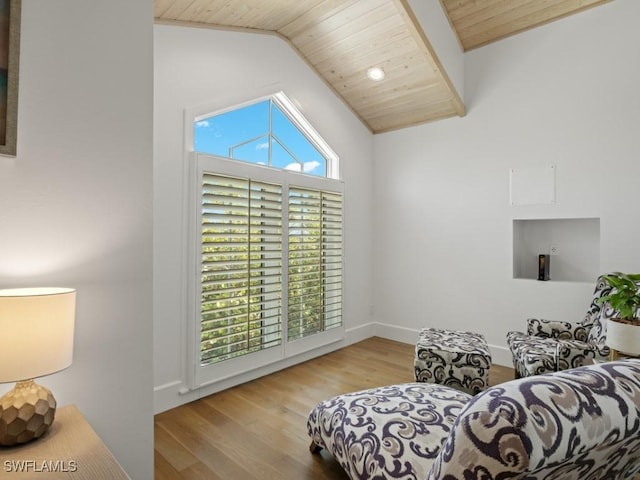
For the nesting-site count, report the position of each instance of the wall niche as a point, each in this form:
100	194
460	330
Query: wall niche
573	246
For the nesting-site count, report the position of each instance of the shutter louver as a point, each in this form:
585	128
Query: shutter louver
241	277
332	258
315	262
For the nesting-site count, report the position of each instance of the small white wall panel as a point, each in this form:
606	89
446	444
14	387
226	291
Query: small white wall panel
532	185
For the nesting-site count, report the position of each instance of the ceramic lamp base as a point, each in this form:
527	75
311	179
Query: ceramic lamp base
26	412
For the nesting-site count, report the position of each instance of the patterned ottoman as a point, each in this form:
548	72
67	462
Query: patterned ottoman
454	358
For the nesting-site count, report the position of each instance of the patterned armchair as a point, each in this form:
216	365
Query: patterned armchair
550	346
580	423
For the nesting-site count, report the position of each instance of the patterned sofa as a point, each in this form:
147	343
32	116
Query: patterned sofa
577	424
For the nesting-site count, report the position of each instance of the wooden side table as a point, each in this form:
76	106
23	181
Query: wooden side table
71	449
617	355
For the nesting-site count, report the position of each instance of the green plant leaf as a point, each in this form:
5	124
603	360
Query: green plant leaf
625	294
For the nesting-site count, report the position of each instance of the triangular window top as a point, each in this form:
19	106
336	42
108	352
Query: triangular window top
270	132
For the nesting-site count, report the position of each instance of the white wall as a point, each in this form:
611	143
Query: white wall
196	68
75	204
565	93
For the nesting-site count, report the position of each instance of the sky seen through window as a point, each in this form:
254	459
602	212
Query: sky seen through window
260	133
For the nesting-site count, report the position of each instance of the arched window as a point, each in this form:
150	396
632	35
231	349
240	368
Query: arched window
265	256
269	132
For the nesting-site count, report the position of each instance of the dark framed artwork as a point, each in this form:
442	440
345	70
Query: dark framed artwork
9	65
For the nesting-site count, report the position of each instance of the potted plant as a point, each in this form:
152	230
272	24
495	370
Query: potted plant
623	332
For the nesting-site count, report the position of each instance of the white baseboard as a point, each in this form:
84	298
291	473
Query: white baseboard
360	333
501	356
176	393
399	334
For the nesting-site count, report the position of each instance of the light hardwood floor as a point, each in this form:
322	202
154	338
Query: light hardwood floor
258	430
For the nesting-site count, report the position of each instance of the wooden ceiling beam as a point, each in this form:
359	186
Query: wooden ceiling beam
341	39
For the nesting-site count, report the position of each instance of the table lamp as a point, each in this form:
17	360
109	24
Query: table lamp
36	339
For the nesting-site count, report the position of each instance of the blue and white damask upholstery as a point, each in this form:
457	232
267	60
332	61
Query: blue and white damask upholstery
550	346
454	358
577	424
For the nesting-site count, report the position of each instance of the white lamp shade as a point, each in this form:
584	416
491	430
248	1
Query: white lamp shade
36	332
623	337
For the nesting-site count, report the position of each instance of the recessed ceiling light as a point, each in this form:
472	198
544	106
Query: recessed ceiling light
375	73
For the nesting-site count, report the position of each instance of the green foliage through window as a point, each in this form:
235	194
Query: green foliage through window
242	263
241	267
270	252
315	261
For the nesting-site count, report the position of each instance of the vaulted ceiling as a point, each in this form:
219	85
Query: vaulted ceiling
342	39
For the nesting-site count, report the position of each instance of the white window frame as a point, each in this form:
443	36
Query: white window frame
200	376
197	375
287	106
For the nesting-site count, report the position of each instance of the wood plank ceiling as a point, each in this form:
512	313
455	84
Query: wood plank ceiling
342	39
480	22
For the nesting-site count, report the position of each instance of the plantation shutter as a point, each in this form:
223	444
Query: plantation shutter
314	262
241	267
